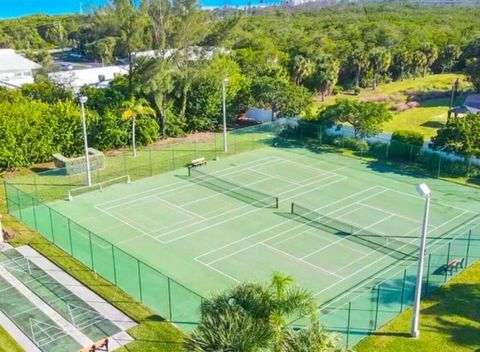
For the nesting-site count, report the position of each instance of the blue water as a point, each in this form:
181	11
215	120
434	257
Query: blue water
18	8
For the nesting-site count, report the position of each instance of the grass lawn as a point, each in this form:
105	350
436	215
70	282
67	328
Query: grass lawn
7	343
427	118
450	321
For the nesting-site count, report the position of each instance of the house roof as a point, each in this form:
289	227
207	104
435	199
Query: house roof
87	77
13	62
465	109
473	100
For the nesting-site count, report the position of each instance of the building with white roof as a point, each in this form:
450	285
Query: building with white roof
98	77
15	70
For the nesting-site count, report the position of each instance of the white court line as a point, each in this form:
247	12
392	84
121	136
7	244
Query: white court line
246	213
219	173
265	230
333	242
382	257
174	206
300	260
388	269
395	214
236	210
282	223
284	179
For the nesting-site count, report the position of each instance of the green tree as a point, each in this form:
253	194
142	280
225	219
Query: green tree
430	52
301	67
134	108
472	69
252	317
380	60
366	118
461	135
324	76
282	97
448	57
105	49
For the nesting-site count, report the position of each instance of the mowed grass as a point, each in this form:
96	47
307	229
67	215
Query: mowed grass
7	343
427	118
450	321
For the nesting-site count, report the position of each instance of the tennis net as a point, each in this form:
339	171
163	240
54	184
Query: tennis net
234	190
382	243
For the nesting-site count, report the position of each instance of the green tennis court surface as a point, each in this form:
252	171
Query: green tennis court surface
352	226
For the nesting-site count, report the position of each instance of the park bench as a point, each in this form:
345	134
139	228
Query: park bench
8	234
100	345
198	162
453	264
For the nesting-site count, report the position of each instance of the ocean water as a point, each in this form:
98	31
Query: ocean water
18	8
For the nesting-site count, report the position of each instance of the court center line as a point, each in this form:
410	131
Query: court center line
236	210
300	260
182	209
282	223
258	233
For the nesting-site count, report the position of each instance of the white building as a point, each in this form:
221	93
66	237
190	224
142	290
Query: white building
15	70
193	53
98	77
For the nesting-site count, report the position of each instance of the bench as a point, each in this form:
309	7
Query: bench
198	162
453	264
100	345
8	234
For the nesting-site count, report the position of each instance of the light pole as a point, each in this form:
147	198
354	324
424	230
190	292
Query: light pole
424	191
224	93
83	100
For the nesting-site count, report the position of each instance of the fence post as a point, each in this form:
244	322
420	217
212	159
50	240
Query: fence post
114	266
468	248
125	168
140	281
376	310
403	289
70	237
439	165
34	214
348	321
428	275
7	200
35	184
169	299
19	204
91	250
150	159
51	225
446	264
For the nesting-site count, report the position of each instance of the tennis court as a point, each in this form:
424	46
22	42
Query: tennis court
334	224
209	238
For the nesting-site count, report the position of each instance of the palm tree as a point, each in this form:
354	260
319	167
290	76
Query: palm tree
133	108
251	317
302	67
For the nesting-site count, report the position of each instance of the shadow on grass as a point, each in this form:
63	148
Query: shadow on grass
456	313
433	124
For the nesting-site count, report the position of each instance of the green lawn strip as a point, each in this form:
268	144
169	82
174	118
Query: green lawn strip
7	343
427	118
450	321
153	333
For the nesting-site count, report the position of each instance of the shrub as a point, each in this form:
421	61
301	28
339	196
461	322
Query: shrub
408	137
351	143
356	90
406	144
337	90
